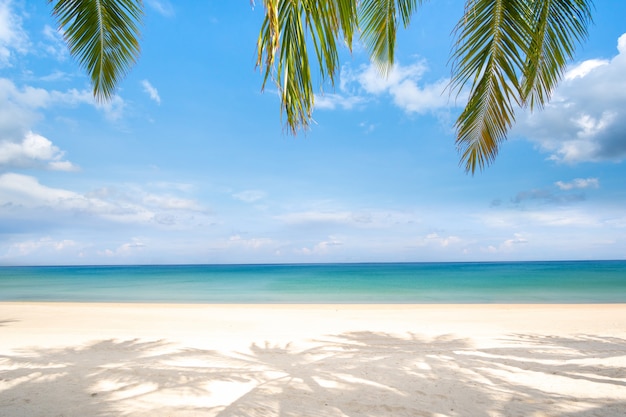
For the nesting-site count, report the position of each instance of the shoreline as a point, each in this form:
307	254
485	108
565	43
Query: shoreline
144	359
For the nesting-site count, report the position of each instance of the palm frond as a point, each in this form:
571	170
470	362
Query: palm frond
283	54
103	35
492	38
378	21
511	53
556	25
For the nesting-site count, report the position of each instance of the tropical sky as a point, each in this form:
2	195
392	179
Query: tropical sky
191	162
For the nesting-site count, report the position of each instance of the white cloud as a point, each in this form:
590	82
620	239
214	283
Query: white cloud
584	68
17	110
578	183
518	239
333	101
13	38
321	248
586	118
315	217
21	108
44	244
366	220
151	91
33	151
170	202
55	76
249	196
24	190
436	240
163	7
402	83
560	217
507	246
249	243
133	206
19	146
54	44
113	108
125	249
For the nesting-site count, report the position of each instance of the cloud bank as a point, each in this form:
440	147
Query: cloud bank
586	118
403	84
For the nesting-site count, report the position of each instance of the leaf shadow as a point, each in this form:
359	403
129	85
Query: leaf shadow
362	374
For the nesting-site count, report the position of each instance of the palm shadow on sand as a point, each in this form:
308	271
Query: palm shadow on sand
352	374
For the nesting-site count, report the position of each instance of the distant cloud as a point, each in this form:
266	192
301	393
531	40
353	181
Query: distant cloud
125	249
359	219
170	202
434	239
34	151
517	239
403	84
546	196
55	76
54	45
578	183
249	243
13	38
564	192
163	7
26	192
44	244
151	91
508	245
128	205
320	248
249	196
586	118
19	104
584	68
313	217
21	109
334	101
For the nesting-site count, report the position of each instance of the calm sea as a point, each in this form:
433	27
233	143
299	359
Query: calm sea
502	282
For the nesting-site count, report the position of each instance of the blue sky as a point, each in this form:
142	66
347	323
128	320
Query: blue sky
190	162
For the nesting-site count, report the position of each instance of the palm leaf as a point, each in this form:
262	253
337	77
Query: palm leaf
287	30
556	26
103	35
378	21
511	53
492	37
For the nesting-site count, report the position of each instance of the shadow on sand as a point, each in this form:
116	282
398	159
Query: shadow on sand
352	374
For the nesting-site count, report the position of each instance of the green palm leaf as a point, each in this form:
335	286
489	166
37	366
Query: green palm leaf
378	21
290	25
492	37
556	26
283	53
511	53
103	35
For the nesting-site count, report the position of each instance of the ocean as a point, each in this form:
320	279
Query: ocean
467	283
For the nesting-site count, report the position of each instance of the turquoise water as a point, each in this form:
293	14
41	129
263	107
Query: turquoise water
502	282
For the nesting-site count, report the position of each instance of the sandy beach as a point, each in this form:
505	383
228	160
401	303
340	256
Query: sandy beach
75	359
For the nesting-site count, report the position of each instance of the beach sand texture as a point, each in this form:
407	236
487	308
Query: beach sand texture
85	359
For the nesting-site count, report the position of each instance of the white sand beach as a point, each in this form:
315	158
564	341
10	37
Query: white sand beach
84	359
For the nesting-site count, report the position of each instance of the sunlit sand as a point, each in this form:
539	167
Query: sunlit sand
84	359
